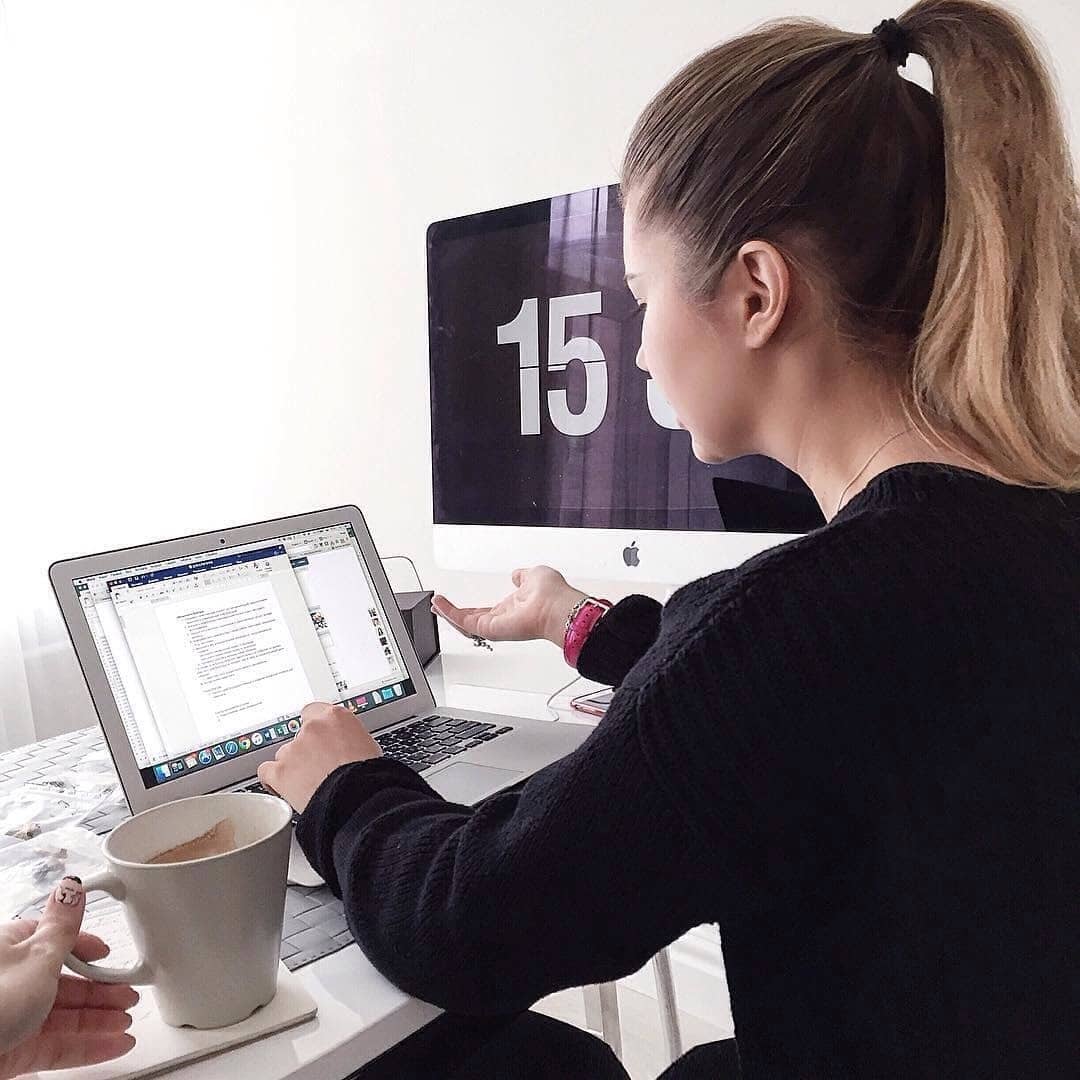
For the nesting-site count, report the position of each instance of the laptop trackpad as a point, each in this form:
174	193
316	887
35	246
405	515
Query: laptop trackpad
464	782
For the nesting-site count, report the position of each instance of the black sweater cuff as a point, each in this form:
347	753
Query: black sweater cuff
338	797
620	639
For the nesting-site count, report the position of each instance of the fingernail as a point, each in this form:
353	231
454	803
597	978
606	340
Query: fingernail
69	892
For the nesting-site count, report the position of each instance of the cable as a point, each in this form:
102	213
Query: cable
553	696
416	573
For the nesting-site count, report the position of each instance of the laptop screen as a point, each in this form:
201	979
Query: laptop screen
212	656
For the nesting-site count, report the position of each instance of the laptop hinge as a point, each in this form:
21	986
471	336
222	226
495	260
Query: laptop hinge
396	723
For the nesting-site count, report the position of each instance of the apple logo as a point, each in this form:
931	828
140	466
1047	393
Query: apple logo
630	554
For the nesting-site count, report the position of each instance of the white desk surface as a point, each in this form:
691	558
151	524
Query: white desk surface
360	1013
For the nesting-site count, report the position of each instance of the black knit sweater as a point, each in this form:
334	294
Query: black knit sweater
858	753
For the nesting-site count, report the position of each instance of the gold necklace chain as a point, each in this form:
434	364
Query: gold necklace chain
865	466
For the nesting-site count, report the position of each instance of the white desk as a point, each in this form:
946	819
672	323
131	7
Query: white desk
360	1013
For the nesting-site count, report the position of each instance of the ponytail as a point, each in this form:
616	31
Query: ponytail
997	360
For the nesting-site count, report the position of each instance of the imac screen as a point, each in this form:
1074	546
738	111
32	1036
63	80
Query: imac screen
539	415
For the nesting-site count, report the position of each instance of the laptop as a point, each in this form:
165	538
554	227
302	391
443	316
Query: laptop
199	654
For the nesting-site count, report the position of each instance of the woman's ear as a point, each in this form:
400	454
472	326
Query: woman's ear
763	281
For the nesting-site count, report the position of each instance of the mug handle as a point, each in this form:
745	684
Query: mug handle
140	974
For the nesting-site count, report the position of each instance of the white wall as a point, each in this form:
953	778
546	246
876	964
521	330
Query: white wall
212	271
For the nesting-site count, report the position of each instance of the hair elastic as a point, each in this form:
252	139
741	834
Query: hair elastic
895	39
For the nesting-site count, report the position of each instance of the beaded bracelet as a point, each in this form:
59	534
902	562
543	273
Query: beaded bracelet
584	615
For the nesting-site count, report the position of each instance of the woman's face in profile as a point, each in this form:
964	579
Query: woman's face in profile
694	350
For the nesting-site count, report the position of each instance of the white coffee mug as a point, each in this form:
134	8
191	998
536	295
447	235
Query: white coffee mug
208	931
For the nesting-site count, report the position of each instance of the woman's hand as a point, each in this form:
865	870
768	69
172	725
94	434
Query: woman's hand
49	1020
329	736
536	609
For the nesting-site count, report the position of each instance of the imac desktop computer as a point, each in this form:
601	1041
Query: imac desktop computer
548	444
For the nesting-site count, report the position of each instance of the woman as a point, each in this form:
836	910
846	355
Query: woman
49	1020
857	753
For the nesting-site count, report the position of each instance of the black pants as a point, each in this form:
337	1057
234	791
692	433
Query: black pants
527	1047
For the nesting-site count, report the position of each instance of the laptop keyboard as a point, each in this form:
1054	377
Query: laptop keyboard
428	742
257	787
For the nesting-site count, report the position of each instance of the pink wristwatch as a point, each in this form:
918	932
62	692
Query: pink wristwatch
584	615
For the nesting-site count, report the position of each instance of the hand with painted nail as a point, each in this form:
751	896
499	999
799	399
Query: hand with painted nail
49	1020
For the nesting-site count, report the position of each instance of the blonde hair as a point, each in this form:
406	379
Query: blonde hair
944	225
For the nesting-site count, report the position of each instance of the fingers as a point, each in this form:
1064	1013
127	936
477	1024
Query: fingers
451	612
507	603
472	618
464	619
76	993
86	1022
58	928
268	771
90	947
17	931
89	1050
317	710
87	946
64	1052
445	610
481	624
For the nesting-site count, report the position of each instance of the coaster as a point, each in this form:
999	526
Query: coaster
159	1047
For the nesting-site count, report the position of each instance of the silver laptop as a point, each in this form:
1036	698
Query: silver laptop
200	652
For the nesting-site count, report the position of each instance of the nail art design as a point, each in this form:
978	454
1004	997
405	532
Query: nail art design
69	891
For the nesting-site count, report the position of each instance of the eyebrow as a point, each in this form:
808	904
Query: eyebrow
630	277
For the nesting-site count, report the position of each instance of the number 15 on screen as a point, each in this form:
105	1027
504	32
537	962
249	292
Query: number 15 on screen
524	331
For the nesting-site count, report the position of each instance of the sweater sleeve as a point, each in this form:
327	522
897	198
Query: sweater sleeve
620	639
486	909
